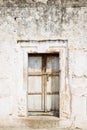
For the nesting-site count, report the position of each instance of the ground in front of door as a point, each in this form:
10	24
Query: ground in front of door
34	123
26	128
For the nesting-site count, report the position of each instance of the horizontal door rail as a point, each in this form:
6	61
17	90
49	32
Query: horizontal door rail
52	93
39	93
41	74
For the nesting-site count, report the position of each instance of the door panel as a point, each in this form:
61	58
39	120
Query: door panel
53	84
34	64
52	64
34	102
35	84
52	102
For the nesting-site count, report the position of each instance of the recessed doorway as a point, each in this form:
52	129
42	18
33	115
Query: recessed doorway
43	84
41	60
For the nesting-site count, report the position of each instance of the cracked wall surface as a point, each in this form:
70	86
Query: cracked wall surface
42	20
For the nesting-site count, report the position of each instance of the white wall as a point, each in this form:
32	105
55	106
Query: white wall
39	21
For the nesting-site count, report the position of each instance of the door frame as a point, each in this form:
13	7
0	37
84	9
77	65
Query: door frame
50	46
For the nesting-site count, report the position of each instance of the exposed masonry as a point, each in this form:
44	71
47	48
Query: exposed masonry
38	20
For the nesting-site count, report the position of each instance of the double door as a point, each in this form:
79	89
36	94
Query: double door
43	84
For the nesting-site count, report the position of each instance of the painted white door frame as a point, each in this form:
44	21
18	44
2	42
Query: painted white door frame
50	46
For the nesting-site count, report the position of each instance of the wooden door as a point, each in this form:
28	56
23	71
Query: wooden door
43	84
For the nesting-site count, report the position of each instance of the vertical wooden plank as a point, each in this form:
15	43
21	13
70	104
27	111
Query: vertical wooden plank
34	83
53	84
44	81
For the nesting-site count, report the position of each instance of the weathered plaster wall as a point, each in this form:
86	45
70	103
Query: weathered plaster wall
37	20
